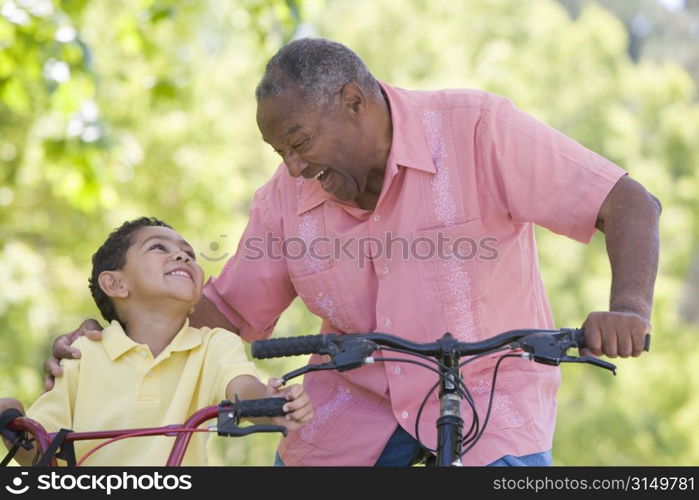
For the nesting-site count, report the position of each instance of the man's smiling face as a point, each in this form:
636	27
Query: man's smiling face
320	143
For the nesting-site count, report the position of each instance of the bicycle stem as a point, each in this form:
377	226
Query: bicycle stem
449	424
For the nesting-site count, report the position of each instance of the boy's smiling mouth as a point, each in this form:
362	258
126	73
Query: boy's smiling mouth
182	273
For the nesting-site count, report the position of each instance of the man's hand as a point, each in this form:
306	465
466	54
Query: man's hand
61	349
298	410
615	333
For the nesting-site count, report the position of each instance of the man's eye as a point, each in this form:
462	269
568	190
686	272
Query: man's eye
301	144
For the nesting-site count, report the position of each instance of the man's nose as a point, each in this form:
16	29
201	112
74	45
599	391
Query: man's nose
295	164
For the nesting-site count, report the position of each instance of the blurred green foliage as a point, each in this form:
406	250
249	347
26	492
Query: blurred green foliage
111	110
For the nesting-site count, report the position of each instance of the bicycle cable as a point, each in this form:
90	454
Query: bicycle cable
424	401
475	431
490	400
467	436
475	427
403	351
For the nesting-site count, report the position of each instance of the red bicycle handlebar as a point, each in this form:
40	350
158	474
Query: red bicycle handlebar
183	432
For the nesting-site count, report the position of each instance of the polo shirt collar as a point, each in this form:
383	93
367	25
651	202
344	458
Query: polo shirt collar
116	342
408	148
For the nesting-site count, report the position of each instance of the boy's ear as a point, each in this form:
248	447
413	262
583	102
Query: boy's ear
112	285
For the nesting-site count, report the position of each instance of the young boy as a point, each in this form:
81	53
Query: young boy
151	368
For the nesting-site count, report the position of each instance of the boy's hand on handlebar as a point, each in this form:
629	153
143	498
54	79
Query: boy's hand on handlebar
615	333
298	409
62	349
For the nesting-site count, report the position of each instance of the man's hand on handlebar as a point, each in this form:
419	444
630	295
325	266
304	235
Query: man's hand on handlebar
615	333
62	349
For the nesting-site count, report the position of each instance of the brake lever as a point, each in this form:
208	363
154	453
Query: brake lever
232	430
305	369
551	349
590	360
352	353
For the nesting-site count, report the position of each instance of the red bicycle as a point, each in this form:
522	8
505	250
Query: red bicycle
26	432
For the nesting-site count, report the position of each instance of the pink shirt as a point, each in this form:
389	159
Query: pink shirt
449	247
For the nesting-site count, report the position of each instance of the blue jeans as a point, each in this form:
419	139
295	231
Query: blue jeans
402	449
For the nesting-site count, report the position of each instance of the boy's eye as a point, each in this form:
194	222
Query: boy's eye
192	254
157	246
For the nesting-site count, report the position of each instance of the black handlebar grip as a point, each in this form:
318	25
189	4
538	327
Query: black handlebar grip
292	346
267	407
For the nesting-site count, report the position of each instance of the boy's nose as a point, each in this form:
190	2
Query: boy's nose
182	255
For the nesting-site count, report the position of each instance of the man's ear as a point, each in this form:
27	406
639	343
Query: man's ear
112	284
352	97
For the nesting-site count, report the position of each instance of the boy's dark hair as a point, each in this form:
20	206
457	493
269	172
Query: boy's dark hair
111	256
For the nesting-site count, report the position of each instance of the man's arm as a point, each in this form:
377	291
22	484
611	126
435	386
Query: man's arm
206	314
629	220
62	349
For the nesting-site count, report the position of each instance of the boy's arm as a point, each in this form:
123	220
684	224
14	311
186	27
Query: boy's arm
23	457
298	408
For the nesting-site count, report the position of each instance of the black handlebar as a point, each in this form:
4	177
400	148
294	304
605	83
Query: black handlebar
349	351
330	343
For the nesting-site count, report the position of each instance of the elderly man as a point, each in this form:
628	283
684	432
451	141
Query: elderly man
447	186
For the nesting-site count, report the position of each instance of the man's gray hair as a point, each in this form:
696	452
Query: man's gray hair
317	67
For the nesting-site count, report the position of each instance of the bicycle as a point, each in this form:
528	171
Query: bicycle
351	351
51	446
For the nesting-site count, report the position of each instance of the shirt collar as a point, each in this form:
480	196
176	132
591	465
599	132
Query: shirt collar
408	148
409	144
117	343
312	195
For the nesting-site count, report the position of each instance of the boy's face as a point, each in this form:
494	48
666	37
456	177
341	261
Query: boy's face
160	264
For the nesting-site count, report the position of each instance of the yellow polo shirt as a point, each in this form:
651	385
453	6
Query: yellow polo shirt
117	384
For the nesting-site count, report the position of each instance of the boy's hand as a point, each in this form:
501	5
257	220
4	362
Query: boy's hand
61	349
298	409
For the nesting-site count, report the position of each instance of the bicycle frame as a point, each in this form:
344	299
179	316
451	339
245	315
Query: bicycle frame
228	416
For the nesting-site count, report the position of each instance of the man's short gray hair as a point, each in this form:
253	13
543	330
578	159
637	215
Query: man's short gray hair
317	67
